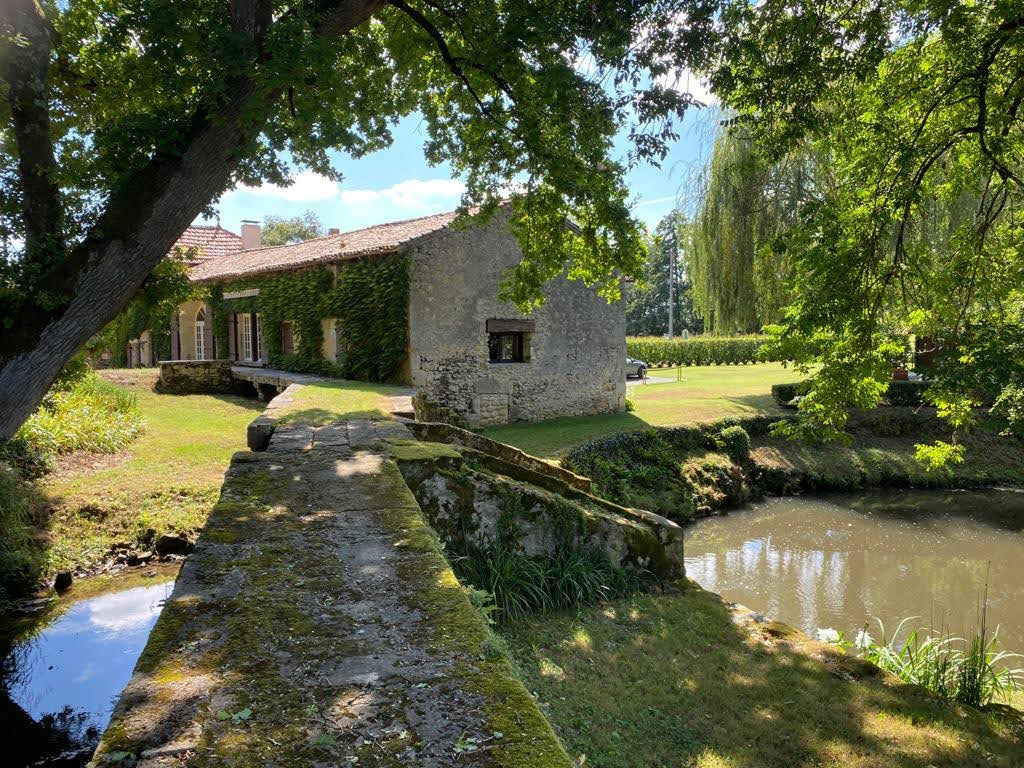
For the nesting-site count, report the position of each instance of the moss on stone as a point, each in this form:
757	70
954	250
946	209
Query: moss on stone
414	450
452	625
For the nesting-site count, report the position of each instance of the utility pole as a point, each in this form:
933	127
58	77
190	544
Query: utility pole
671	287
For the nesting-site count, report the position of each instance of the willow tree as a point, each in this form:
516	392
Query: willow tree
122	120
919	105
739	278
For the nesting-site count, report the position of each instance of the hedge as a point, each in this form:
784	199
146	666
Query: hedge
699	350
904	393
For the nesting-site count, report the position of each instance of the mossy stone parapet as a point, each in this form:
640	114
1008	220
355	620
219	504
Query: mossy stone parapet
447	433
470	501
317	622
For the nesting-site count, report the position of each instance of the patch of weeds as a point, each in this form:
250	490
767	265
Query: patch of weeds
236	718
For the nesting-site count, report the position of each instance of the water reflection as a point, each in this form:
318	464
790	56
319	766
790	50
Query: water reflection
59	686
840	561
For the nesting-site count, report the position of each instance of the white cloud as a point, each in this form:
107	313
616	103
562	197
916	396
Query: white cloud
656	201
686	81
408	196
130	610
308	187
413	195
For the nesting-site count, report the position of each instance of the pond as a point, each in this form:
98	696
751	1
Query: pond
845	561
60	681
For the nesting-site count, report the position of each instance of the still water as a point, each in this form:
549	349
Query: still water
60	683
843	561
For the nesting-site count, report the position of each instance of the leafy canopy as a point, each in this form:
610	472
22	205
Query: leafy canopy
647	306
278	230
516	97
916	108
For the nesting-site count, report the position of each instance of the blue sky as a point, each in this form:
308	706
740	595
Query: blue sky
397	183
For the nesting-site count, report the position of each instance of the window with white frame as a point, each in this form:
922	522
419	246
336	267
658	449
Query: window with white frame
201	334
244	324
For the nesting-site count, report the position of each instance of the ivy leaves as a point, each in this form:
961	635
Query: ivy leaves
369	298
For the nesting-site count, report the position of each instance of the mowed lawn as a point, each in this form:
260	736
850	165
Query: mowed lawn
704	393
168	480
165	481
330	401
670	680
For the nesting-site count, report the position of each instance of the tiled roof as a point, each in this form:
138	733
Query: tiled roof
383	238
209	242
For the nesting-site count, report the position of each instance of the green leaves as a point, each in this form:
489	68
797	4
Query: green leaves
236	718
914	224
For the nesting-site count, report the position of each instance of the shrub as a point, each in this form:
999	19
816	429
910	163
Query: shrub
20	555
905	392
785	394
899	393
630	405
91	415
735	442
698	350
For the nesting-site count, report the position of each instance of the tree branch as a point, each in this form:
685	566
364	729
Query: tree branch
442	46
141	221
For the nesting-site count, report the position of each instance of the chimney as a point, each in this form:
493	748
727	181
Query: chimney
252	235
333	231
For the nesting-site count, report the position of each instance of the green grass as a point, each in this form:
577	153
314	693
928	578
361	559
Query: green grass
167	480
705	393
326	402
671	680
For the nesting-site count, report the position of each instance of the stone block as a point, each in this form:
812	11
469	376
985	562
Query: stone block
259	432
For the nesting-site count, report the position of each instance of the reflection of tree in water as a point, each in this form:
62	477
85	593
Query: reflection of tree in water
64	739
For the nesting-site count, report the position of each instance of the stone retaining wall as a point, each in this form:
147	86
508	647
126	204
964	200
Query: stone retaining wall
190	377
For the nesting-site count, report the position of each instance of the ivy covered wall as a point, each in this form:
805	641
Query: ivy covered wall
369	299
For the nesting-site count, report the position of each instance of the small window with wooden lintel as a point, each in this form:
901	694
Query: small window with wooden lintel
508	341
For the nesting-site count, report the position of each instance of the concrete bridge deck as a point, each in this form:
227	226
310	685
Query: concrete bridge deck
318	624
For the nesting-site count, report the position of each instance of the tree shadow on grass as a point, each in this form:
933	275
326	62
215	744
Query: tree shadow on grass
672	680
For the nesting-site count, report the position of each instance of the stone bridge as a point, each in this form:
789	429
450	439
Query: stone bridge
318	623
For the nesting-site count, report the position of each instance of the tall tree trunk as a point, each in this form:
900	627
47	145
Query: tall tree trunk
139	228
141	222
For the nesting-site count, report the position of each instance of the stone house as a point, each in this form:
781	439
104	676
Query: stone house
412	302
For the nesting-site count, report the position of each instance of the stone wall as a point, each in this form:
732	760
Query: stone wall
187	377
576	353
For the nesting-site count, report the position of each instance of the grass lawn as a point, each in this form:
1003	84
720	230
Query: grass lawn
170	477
705	393
325	402
167	480
671	680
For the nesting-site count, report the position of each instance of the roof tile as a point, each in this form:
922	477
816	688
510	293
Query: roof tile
209	242
382	238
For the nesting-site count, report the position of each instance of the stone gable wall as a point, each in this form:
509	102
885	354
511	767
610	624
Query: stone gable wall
577	352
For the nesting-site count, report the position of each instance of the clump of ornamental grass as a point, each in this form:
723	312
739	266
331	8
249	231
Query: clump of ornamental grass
86	414
972	671
523	585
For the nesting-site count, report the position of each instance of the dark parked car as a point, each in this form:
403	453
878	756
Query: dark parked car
635	367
